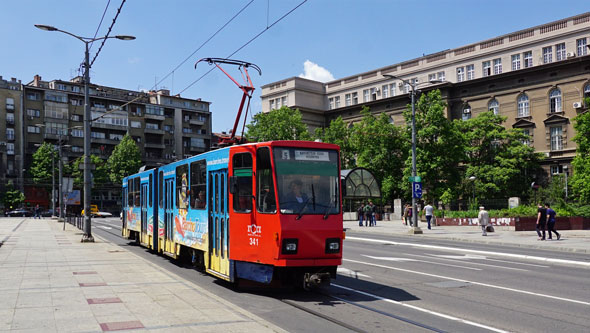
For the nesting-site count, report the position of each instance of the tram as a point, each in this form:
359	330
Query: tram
263	212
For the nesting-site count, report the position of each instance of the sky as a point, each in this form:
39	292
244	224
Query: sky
321	39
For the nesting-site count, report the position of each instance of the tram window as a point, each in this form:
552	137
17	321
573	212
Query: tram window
136	191
242	170
222	194
198	185
182	191
161	189
150	195
265	189
130	192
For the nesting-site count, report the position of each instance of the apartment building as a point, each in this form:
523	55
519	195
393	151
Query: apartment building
164	127
537	78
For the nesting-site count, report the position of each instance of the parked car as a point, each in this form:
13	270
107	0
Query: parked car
102	214
47	213
19	212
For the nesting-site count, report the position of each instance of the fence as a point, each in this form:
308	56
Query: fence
77	221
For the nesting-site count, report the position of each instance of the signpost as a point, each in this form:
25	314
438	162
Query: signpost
417	190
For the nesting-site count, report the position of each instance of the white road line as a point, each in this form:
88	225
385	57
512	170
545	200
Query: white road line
517	263
351	273
426	261
458	249
438	314
472	282
442	257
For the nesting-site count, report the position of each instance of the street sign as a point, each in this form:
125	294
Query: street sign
416	179
417	190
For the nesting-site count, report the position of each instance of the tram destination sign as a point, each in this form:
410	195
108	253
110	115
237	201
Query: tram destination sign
312	155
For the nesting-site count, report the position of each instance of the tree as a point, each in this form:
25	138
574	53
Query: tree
41	168
381	149
12	198
280	124
499	158
124	161
340	134
580	181
100	174
439	148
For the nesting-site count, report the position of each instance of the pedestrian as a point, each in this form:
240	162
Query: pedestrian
360	212
373	207
551	222
541	220
410	211
428	211
484	219
37	212
405	214
367	210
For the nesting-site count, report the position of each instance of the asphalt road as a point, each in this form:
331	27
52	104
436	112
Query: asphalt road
395	284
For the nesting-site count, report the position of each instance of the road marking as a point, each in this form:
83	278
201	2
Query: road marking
351	273
468	256
426	261
518	263
105	227
472	282
457	249
438	314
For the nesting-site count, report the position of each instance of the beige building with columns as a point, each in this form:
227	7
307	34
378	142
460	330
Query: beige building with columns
537	78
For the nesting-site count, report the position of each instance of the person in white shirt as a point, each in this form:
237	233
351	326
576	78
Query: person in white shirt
484	220
428	211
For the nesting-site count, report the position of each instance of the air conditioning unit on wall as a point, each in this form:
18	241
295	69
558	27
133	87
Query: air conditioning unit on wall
577	105
571	54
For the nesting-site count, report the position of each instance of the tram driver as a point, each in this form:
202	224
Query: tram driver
295	200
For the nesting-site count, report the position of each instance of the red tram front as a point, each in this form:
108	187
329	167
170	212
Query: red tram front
286	215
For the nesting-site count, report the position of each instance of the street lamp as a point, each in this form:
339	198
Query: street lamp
87	232
565	172
472	178
415	229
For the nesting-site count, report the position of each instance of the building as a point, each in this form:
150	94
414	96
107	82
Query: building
537	78
164	127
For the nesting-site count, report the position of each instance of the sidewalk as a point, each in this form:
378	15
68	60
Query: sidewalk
571	240
50	282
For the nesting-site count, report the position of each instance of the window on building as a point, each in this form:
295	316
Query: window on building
168	128
527	133
284	100
556	138
9	103
587	91
187	130
486	68
494	106
33	129
392	89
10	148
78	133
556	169
76	89
431	77
547	54
331	103
466	112
528	59
347	100
76	117
355	98
33	113
271	104
384	91
581	46
497	66
10	118
198	142
373	94
77	149
555	100
152	126
515	62
337	102
441	76
470	72
136	124
10	134
33	96
61	86
560	52
523	106
116	137
365	95
97	135
460	74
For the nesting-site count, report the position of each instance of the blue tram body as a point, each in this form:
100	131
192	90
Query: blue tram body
228	211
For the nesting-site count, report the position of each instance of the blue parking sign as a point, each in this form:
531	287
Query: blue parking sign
417	190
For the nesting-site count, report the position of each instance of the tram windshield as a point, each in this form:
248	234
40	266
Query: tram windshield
307	181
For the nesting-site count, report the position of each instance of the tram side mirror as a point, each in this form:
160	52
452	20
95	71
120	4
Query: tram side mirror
233	184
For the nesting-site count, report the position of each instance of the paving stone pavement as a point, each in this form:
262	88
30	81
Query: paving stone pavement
50	282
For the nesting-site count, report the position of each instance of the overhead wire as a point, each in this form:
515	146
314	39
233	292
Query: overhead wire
99	24
108	32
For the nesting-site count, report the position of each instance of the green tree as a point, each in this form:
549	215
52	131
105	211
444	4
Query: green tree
439	148
12	198
340	134
498	157
381	149
280	124
100	175
41	169
580	181
125	160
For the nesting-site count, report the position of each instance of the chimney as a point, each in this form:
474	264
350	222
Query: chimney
36	80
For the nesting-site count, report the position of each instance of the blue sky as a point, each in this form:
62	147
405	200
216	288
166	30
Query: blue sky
341	37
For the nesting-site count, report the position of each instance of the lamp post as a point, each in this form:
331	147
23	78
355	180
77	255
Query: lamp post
472	178
565	172
87	232
415	229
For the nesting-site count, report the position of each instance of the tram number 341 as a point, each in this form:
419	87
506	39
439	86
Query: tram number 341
253	241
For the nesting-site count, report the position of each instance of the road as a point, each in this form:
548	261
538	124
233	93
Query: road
396	284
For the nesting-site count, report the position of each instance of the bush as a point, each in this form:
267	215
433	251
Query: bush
565	210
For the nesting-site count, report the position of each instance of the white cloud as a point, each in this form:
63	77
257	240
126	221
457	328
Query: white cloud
313	71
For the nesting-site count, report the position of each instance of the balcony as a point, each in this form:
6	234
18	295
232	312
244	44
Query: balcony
104	141
196	122
153	116
154	131
109	126
154	145
55	136
198	149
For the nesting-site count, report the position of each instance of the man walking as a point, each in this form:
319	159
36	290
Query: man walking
551	221
484	219
541	219
428	211
361	212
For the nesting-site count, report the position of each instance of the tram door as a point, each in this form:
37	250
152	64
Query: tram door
218	222
168	209
124	205
144	208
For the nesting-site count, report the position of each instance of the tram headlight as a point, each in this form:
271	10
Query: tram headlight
332	245
290	246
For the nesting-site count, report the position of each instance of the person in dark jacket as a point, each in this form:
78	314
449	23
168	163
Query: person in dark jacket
551	221
361	212
541	220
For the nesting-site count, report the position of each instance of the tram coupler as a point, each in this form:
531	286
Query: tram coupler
315	280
